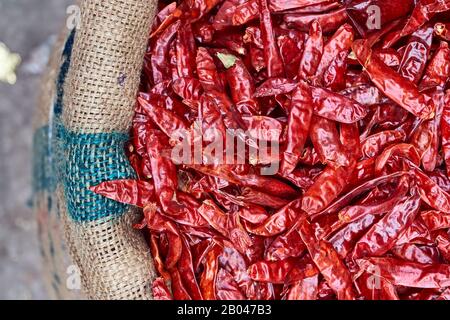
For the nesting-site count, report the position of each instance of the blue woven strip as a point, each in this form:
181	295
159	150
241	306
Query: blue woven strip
41	164
89	160
63	71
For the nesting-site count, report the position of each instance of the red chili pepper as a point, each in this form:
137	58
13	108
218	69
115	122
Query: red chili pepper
423	12
372	287
298	127
405	150
372	145
443	244
316	7
282	5
328	21
209	275
334	75
340	41
390	57
285	246
415	253
325	138
227	288
207	71
186	268
279	222
409	274
135	192
382	235
160	53
241	84
416	54
304	289
416	233
364	94
345	239
244	13
430	192
364	187
366	20
435	220
160	290
157	258
438	70
327	187
328	262
169	122
445	130
336	107
376	207
272	54
313	51
187	88
291	48
275	86
392	84
178	289
303	178
274	272
224	15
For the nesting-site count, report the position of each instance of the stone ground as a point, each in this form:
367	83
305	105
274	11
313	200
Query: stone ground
26	27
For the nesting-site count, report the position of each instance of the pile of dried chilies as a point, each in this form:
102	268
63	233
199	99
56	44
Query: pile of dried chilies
360	206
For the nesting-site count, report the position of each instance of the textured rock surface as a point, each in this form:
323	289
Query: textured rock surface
26	27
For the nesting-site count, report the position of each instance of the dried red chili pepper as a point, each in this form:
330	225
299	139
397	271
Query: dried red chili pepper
241	84
160	290
313	51
135	192
186	268
366	20
334	75
274	272
415	253
372	287
209	275
327	187
272	54
336	107
328	262
341	41
408	274
435	220
416	54
207	71
392	84
227	288
382	235
438	70
275	86
328	21
325	138
445	130
298	127
160	53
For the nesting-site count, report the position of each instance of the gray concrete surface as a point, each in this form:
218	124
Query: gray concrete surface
25	27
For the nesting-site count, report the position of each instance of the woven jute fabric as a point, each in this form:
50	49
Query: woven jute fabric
98	93
106	64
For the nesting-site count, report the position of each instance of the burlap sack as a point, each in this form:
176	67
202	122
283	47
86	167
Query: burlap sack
81	125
